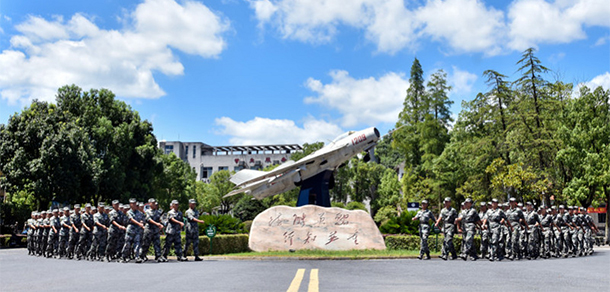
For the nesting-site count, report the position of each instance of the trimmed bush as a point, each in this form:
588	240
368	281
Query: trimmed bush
411	242
222	244
225	224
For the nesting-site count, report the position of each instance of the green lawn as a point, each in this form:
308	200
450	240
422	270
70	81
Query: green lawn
323	254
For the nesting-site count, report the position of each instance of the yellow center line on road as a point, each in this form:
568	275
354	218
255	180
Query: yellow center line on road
313	281
296	282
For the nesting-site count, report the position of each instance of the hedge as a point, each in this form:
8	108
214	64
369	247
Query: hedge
411	242
8	240
222	244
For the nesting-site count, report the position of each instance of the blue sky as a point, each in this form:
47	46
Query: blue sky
234	72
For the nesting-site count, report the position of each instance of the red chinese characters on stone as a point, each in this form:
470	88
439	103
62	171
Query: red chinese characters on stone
288	237
298	220
332	237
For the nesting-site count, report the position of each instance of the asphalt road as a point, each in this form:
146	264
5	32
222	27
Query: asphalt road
20	272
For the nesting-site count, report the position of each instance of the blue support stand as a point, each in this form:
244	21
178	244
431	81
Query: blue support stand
315	190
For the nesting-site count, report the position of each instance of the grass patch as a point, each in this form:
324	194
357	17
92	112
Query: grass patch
348	254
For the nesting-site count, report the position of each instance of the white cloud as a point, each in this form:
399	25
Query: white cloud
461	81
361	101
466	25
602	80
51	53
261	131
532	22
463	25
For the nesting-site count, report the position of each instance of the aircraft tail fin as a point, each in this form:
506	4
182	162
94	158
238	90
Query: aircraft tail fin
245	175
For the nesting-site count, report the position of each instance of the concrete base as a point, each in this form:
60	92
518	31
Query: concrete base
283	228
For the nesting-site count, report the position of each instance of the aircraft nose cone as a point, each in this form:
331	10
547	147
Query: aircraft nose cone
376	132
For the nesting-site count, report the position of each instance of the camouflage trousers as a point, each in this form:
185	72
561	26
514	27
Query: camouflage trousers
533	241
513	247
567	240
424	232
192	238
577	240
113	243
448	247
30	242
120	244
132	244
52	244
546	242
588	240
72	242
495	249
98	244
468	240
84	243
42	242
151	236
484	242
175	241
63	244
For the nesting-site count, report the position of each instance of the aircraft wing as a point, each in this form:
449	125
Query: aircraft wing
249	177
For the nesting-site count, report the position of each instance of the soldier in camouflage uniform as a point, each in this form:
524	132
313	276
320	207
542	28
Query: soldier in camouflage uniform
100	234
424	216
172	232
496	219
52	242
547	225
132	234
568	244
152	230
114	232
523	233
505	233
31	225
579	234
448	216
84	240
39	233
516	219
75	221
64	233
589	227
532	219
123	220
484	231
469	219
46	225
192	229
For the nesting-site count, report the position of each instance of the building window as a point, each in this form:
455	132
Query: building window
186	150
194	151
169	149
223	168
206	172
238	168
601	217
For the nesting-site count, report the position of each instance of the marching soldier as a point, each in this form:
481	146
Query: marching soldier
567	217
31	224
547	224
484	230
495	218
470	219
532	221
46	225
53	234
84	240
132	235
448	216
114	232
424	216
516	219
172	232
152	231
589	226
64	232
123	220
192	229
75	221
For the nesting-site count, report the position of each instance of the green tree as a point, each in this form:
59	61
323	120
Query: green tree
175	182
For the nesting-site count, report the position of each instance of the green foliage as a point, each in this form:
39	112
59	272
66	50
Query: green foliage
402	224
247	208
385	213
222	244
337	204
355	206
412	242
225	224
210	196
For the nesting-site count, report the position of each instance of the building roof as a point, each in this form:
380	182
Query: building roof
279	147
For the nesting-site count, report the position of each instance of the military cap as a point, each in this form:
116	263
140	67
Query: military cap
192	201
494	200
151	200
121	206
447	199
140	204
43	212
108	208
66	209
505	204
101	204
562	207
570	208
519	204
115	202
175	202
528	203
93	210
489	203
88	205
483	204
55	210
462	204
468	200
513	199
33	212
133	201
553	208
76	206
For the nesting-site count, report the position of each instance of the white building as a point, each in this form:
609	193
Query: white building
206	159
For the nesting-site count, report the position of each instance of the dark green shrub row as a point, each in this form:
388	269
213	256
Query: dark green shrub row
222	244
411	242
8	240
